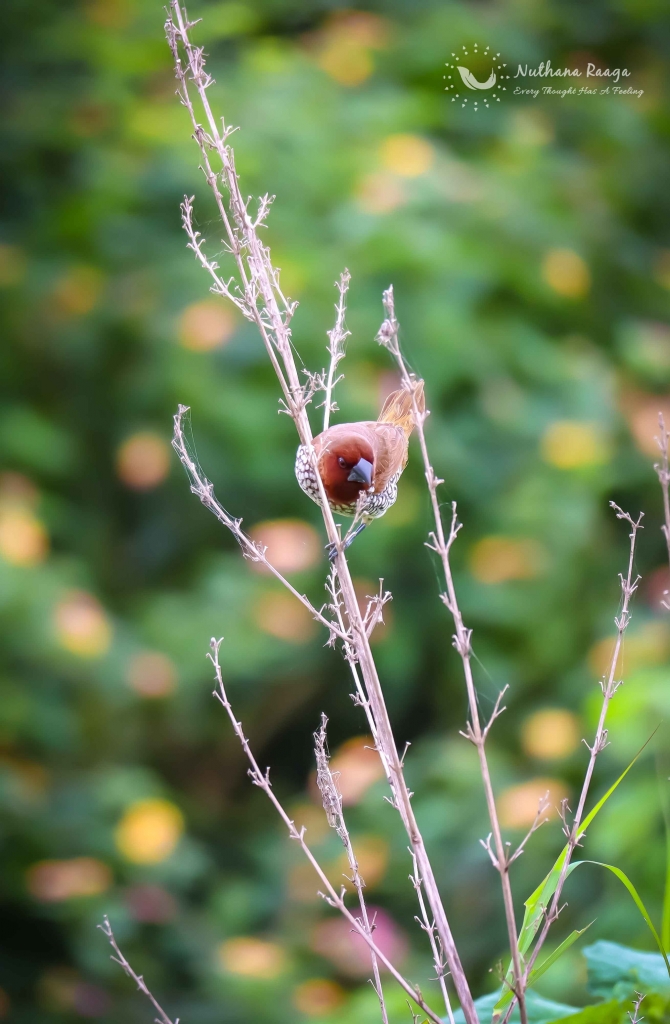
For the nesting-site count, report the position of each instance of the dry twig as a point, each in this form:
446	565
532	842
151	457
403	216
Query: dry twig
635	1017
332	805
120	959
336	341
257	293
441	544
334	899
609	687
663	474
429	927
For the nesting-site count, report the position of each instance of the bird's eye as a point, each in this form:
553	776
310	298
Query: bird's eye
342	462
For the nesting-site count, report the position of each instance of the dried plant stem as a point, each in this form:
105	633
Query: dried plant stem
429	927
332	803
663	473
609	687
262	780
359	698
635	1017
120	959
438	542
258	295
336	340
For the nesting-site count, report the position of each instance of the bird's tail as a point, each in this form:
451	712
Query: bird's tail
399	408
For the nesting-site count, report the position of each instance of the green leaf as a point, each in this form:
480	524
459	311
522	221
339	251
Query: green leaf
638	902
540	1010
558	952
602	1013
616	970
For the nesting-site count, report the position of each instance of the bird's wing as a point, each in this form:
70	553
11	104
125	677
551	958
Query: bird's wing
390	446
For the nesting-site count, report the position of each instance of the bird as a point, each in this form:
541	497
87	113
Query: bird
364	458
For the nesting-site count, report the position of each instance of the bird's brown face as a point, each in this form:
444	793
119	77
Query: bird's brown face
347	468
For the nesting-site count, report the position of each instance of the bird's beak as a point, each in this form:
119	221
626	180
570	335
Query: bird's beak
362	472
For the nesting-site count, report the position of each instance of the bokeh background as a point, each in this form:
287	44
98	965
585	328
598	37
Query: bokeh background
529	249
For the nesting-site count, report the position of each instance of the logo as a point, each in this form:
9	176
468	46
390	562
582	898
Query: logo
481	71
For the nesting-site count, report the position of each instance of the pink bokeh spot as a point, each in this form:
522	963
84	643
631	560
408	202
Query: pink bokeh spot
337	941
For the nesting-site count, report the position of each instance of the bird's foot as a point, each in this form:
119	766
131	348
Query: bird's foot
332	547
331	550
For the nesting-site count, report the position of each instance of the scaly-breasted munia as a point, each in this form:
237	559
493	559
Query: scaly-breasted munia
360	457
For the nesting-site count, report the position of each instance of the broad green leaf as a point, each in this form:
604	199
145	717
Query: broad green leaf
612	968
540	1010
612	1012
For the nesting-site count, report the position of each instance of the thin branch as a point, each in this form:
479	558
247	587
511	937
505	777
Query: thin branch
265	303
663	473
332	805
539	820
335	899
120	959
609	687
429	928
336	341
359	697
635	1017
441	544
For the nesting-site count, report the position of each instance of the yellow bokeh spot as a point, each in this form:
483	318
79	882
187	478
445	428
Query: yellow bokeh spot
206	325
372	854
143	461
358	766
252	958
291	545
567	273
23	538
81	625
518	805
571	444
77	292
303	884
501	559
149	831
12	265
17	489
53	881
550	734
650	645
641	411
312	819
317	997
108	14
380	192
662	268
407	155
345	46
281	615
151	674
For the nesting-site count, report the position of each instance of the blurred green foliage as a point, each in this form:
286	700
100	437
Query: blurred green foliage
528	249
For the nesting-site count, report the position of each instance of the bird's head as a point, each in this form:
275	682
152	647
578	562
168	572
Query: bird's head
347	468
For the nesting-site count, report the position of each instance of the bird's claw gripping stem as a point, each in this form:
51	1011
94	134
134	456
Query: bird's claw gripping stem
331	550
333	545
